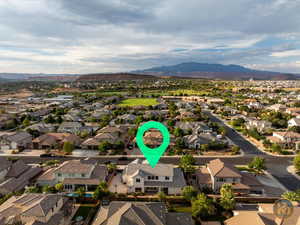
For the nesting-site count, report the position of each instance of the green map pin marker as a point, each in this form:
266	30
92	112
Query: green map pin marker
153	154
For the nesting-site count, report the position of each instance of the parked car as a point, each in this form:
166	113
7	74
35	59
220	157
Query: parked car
46	155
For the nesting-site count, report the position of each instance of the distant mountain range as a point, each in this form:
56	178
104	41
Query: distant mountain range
216	71
182	70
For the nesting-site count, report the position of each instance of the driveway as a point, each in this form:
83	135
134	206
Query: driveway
116	185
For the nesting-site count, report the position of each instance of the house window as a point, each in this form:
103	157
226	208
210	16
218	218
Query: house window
221	179
138	180
156	178
82	175
167	178
59	174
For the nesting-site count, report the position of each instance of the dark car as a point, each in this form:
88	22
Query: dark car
123	158
46	155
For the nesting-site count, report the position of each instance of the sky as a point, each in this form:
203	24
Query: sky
90	36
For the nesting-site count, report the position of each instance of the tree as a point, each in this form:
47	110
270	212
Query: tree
296	163
46	189
138	120
32	189
295	129
202	206
111	167
59	187
258	164
178	132
291	195
161	196
227	200
187	163
276	148
26	122
101	191
119	145
104	146
235	149
204	147
179	143
68	147
189	192
80	192
222	130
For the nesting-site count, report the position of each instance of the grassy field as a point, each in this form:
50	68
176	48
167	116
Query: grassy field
139	102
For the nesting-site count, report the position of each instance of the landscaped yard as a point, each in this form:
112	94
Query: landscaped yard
83	211
139	102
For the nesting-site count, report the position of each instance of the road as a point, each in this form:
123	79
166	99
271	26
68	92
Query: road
276	165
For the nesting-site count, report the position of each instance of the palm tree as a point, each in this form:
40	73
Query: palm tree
80	192
202	206
111	167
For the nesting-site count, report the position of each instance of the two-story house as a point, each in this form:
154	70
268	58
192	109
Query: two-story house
287	139
260	125
216	173
150	213
50	209
74	174
139	176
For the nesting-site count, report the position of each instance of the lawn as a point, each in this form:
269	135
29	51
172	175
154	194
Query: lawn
83	211
139	102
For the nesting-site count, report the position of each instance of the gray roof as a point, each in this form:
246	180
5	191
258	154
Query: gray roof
142	165
178	181
31	205
4	164
17	169
139	213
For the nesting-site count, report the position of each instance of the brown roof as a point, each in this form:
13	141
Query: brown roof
203	176
220	169
74	166
53	138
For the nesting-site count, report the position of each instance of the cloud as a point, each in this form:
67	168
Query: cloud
76	36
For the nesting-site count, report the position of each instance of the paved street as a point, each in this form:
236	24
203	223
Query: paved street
277	166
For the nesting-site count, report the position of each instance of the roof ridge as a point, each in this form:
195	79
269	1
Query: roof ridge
118	213
155	216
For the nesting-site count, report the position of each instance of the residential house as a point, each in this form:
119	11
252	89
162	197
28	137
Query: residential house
255	105
293	111
294	122
70	127
74	174
15	176
194	141
139	176
264	215
55	140
140	213
42	127
36	209
127	118
277	108
15	140
153	138
288	139
216	173
110	134
195	127
260	125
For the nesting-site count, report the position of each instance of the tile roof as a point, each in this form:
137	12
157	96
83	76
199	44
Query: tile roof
139	213
220	169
